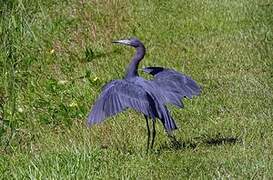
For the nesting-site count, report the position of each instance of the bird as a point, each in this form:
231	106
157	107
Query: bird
149	97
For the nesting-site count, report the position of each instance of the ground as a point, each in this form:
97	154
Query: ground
56	55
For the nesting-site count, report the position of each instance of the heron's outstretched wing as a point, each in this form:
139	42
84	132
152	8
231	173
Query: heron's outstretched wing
116	97
175	84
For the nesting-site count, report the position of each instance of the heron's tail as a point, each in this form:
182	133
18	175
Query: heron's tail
168	121
160	110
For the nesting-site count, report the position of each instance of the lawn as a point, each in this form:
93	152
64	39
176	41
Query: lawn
56	55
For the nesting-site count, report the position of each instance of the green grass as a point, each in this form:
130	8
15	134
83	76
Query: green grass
55	56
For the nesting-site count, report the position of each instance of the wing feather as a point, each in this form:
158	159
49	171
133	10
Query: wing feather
174	84
117	96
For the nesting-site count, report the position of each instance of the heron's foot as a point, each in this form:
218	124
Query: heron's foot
174	142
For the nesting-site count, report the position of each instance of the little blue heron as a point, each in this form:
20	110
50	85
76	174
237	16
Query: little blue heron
146	96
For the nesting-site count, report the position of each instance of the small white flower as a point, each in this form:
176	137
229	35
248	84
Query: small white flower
95	79
62	82
73	104
20	110
51	51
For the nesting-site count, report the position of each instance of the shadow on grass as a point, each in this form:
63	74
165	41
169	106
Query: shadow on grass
179	144
222	140
174	144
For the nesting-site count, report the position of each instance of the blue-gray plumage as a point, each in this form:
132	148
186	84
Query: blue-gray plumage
146	96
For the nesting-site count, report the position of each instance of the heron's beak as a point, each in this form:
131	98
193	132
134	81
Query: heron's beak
123	41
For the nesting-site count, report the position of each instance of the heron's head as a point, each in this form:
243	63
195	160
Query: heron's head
134	42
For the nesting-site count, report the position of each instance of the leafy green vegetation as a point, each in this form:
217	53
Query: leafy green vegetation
56	55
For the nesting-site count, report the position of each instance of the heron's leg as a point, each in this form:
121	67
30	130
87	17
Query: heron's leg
148	131
153	135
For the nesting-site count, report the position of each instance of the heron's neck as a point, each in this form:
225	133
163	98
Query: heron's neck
133	66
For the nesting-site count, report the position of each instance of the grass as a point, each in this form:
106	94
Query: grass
55	56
